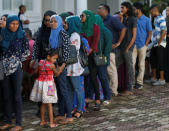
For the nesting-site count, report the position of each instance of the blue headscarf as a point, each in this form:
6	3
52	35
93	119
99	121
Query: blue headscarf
9	36
54	35
74	24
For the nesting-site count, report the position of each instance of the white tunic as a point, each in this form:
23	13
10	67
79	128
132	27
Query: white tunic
75	69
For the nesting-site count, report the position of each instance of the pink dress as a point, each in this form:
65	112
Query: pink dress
44	89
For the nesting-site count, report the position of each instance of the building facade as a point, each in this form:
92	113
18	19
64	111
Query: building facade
36	8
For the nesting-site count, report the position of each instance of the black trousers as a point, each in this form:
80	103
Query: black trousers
157	58
93	77
12	87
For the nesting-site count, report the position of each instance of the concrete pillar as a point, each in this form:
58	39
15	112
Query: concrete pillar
81	5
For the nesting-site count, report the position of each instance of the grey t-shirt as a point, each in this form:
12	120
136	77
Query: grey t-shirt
130	23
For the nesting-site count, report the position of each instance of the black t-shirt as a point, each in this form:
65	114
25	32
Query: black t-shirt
130	23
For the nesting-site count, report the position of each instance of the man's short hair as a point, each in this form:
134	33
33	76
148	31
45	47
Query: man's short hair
106	7
21	6
138	6
154	6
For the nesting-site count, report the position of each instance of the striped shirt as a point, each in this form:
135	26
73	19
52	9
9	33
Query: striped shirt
160	24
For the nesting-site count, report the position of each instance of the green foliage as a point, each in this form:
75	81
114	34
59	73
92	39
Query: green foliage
162	4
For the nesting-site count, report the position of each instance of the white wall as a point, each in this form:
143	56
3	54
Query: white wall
58	5
34	16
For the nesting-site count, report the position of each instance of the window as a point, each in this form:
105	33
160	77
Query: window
14	4
6	4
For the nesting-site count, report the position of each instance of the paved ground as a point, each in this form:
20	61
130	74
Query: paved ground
146	110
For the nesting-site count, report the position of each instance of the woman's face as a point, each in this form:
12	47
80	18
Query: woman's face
53	23
13	26
47	21
3	22
65	25
83	17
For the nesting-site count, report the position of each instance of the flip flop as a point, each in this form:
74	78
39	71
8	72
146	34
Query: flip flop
16	128
6	126
54	125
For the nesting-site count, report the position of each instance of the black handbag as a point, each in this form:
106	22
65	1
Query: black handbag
83	58
99	59
86	71
72	59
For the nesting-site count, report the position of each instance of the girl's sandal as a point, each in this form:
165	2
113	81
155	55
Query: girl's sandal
53	125
6	126
16	128
42	123
78	116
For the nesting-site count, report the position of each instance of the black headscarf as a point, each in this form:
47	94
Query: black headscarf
45	31
42	37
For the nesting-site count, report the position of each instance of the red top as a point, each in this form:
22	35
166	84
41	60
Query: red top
45	71
93	40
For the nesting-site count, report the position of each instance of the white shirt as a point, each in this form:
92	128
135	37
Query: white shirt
24	18
75	69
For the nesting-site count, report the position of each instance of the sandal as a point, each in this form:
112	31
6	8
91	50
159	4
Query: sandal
6	126
53	125
16	128
79	112
59	118
66	121
42	123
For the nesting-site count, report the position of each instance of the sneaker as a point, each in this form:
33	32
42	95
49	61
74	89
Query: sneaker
138	86
106	102
150	81
159	83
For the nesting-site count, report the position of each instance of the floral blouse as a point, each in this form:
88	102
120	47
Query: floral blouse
75	69
17	52
37	47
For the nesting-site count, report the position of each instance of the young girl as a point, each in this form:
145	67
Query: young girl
44	89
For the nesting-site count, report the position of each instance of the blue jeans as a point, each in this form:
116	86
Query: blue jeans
12	87
63	95
102	74
74	86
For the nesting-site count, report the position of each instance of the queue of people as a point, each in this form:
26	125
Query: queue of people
71	59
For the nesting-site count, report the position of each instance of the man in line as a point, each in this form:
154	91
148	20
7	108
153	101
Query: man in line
144	33
159	41
116	28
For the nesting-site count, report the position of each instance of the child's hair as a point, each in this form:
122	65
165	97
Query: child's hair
52	52
22	6
29	32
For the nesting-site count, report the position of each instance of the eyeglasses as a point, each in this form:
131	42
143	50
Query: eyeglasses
82	15
47	20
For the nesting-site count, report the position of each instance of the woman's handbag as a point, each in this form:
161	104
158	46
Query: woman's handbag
86	71
99	59
83	58
72	59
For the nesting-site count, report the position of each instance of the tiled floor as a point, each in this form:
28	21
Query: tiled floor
146	110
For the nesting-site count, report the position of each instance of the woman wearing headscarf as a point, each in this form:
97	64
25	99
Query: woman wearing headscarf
104	47
2	25
91	32
41	37
74	71
60	39
14	49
